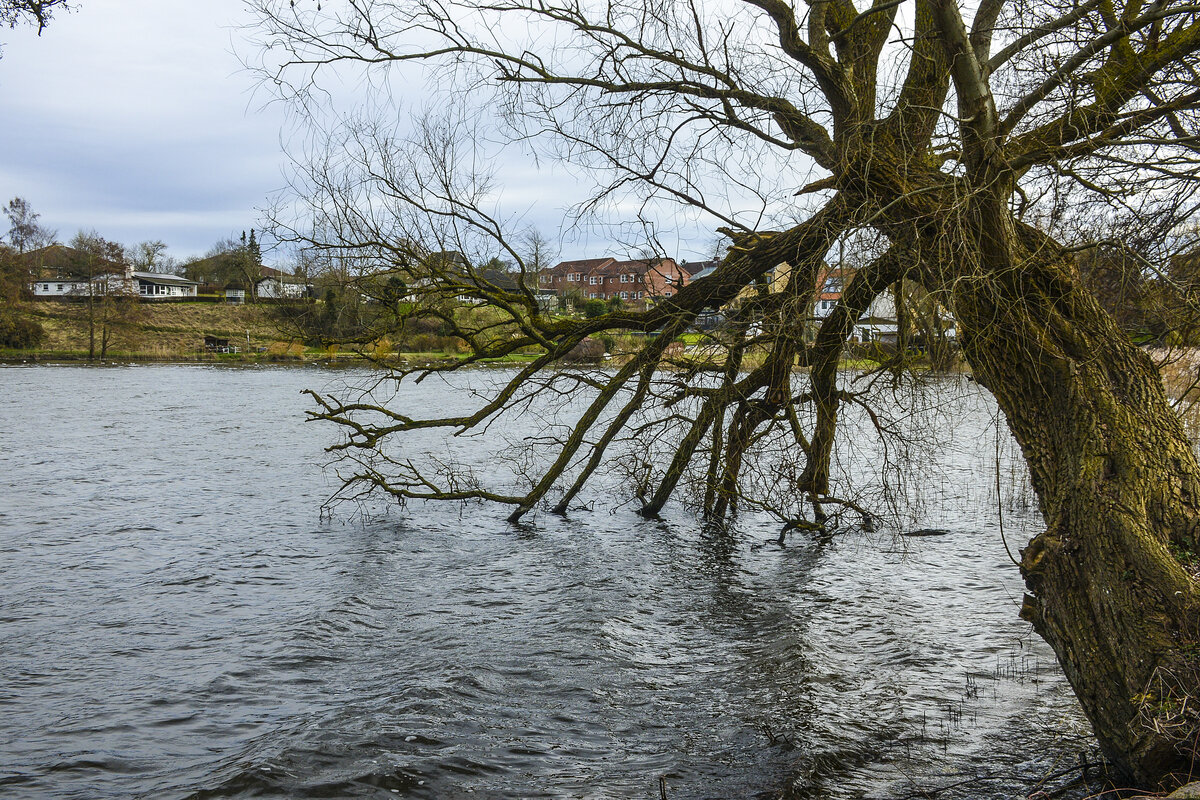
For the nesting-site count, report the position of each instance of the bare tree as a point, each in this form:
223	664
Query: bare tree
109	296
948	138
540	252
151	256
24	231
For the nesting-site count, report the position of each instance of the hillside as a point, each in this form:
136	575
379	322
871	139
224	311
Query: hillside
168	330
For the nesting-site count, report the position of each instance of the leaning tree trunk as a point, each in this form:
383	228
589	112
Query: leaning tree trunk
1110	581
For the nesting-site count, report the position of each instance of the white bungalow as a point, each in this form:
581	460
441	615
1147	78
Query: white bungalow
159	286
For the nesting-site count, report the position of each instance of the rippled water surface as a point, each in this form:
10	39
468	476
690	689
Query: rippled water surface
178	620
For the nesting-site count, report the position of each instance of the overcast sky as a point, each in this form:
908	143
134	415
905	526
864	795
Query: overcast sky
135	118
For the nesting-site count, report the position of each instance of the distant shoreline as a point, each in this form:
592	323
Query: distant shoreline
250	359
346	359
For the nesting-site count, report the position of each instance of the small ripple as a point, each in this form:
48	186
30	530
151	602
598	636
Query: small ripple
198	579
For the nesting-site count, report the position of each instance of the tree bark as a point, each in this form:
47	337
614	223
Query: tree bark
91	315
1110	580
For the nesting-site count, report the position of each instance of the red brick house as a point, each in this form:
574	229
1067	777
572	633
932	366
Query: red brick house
638	281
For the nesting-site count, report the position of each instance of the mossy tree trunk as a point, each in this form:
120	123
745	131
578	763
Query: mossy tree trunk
1117	481
1110	586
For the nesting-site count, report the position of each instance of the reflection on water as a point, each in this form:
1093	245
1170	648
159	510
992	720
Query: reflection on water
178	621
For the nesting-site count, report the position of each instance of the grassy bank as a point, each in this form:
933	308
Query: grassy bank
176	331
166	331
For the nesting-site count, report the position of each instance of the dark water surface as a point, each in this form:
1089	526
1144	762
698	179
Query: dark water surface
178	621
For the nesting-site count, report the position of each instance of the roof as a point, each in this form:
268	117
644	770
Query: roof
639	266
66	260
505	281
282	277
696	267
215	259
648	263
826	274
448	257
579	265
64	275
162	277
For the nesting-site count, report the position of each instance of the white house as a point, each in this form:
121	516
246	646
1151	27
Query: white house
280	285
158	286
61	286
879	323
146	285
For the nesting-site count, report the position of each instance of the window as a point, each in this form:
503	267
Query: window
572	277
667	293
624	295
58	288
639	295
625	277
593	280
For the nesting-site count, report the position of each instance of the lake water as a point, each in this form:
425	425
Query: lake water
179	620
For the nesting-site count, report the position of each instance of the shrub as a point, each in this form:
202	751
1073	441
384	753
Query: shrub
589	350
431	343
427	325
19	333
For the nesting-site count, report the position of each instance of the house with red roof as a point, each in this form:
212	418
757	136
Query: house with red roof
637	281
